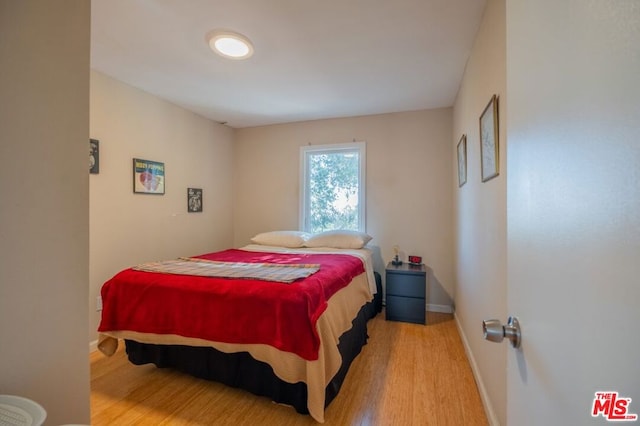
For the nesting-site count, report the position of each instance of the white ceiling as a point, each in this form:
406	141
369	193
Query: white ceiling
313	59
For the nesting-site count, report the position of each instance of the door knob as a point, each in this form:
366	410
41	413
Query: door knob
494	331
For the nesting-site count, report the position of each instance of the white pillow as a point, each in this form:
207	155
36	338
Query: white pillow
289	239
339	239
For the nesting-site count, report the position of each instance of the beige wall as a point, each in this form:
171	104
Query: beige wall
44	213
128	228
480	212
409	173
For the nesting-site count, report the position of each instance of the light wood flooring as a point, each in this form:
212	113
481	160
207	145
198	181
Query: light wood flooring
407	374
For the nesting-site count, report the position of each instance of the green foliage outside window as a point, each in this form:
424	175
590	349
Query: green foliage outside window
333	191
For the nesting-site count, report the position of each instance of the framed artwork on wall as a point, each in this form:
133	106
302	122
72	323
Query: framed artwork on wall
94	156
489	144
194	200
148	177
462	161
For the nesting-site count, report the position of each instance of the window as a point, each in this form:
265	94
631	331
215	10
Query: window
332	193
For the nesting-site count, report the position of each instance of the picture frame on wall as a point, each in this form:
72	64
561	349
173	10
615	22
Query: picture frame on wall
462	161
489	143
94	156
194	200
148	177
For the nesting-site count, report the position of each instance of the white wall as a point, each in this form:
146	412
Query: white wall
44	207
128	228
409	173
480	212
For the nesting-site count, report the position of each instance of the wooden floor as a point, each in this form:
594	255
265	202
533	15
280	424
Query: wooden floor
407	374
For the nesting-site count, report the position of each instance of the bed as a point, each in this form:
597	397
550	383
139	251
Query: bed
292	342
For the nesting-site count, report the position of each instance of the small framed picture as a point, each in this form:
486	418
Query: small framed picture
148	177
489	146
94	156
194	200
462	161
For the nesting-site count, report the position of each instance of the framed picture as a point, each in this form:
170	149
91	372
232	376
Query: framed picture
94	156
489	147
148	177
194	200
462	161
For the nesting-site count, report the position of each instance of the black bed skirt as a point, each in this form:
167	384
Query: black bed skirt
241	370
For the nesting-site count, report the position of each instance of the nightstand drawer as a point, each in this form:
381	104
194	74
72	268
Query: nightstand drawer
406	285
406	309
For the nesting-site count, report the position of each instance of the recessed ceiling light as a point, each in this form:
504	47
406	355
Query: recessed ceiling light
229	44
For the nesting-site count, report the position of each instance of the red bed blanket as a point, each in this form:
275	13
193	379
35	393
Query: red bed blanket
243	311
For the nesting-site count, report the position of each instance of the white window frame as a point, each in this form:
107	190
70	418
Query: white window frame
306	151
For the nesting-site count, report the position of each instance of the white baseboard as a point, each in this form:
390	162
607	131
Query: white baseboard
445	309
484	396
93	346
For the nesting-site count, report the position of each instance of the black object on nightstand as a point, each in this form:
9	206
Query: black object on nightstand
406	293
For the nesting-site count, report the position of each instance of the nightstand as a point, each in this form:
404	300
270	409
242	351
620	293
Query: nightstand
406	293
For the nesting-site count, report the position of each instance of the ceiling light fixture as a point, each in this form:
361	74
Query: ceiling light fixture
229	44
